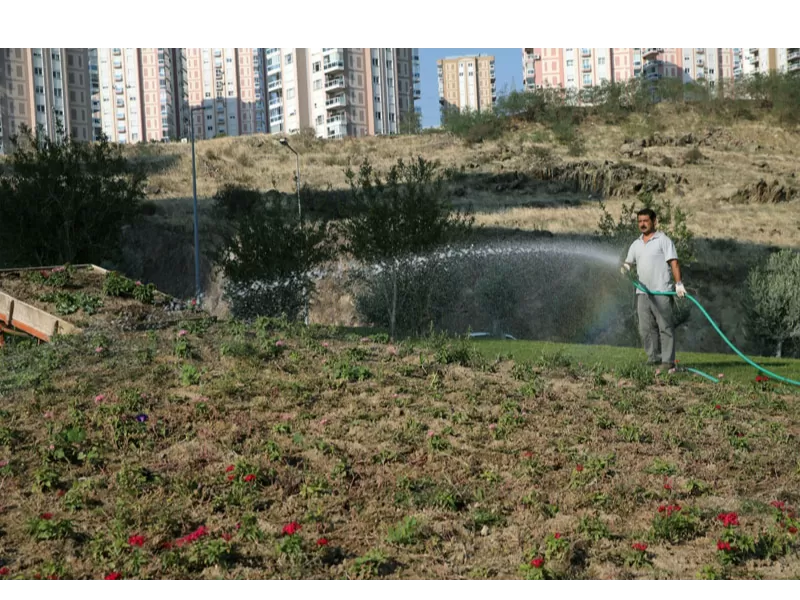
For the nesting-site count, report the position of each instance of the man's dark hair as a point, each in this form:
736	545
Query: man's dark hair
649	212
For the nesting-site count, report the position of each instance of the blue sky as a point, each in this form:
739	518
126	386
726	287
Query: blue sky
507	65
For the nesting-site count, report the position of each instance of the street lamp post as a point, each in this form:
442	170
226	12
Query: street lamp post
284	142
196	222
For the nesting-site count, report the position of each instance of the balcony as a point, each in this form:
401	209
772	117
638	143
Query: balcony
334	63
700	62
340	118
651	52
586	51
699	50
273	85
793	53
276	102
795	66
336	102
335	83
273	67
417	94
586	68
337	130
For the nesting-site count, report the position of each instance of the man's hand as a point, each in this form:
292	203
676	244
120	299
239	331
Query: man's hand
625	268
680	290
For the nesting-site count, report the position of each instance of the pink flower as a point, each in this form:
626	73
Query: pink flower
138	283
99	349
99	398
48	414
324	421
227	537
431	433
527	454
182	333
280	343
325	344
3	463
492	427
364	340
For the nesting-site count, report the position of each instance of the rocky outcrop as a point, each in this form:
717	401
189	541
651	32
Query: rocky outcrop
762	192
716	136
608	178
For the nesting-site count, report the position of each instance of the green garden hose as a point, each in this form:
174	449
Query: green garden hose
640	286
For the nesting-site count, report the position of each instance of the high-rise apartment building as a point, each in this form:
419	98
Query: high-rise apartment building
467	82
766	60
579	68
47	88
134	94
287	89
361	91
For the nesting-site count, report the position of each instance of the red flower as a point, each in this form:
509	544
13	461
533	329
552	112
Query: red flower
52	577
723	546
229	468
227	537
639	546
537	562
527	454
579	468
192	537
793	529
718	406
249	478
46	516
238	526
662	508
730	519
113	575
761	378
322	541
292	528
3	571
778	504
60	493
231	477
136	540
557	536
667	484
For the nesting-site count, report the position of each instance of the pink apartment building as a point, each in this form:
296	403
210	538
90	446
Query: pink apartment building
580	68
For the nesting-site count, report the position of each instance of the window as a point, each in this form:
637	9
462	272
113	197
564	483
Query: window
40	108
19	71
289	58
587	80
39	89
316	67
36	70
318	84
377	115
570	63
391	117
375	62
376	80
687	70
290	94
601	60
57	92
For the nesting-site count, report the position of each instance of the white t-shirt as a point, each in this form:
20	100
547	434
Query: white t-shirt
651	260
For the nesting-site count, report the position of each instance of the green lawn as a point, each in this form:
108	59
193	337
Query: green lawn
730	365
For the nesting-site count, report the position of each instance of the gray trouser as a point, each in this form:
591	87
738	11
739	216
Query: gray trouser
655	327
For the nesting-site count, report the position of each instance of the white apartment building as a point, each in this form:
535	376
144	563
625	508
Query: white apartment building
765	60
286	72
133	91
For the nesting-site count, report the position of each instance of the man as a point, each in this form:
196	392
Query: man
655	256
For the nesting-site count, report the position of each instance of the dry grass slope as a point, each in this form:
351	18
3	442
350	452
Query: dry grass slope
730	170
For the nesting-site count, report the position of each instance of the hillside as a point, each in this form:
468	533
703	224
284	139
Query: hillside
737	179
269	451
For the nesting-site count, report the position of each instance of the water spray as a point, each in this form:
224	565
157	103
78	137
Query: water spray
640	286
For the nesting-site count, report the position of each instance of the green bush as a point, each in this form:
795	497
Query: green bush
772	301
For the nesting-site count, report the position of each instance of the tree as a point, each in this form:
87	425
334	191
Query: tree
396	220
772	300
267	254
411	122
65	201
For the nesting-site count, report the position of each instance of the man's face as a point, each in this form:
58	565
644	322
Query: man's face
646	225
